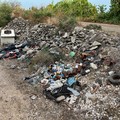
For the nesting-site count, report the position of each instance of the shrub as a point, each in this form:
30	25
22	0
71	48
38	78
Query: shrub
5	13
43	58
67	23
93	26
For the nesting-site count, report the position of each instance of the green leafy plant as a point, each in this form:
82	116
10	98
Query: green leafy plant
5	13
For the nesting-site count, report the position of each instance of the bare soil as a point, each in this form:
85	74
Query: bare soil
13	104
16	102
105	27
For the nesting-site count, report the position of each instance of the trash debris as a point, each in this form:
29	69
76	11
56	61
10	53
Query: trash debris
61	98
71	81
114	79
94	66
72	54
7	36
12	66
79	77
111	72
33	97
95	43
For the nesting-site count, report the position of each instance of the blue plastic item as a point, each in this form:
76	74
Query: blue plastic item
71	81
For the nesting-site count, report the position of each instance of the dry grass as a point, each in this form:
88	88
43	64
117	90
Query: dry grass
42	58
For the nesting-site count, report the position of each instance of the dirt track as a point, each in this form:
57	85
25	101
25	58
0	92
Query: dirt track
13	104
105	27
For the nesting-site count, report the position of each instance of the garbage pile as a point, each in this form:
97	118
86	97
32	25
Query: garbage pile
42	32
88	80
96	98
46	35
59	80
21	52
20	26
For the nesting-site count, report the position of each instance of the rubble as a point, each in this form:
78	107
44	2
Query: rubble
84	79
94	66
33	97
111	72
21	28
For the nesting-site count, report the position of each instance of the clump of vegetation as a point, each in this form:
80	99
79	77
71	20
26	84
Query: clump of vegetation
67	24
93	26
43	58
5	13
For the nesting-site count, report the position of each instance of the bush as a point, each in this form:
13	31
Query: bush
43	58
5	13
93	26
67	24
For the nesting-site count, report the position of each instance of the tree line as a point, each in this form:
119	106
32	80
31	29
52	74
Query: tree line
65	10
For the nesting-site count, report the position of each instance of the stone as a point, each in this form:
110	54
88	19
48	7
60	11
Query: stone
111	72
61	98
93	48
94	66
87	71
73	39
65	35
78	29
92	31
33	97
75	47
95	43
12	66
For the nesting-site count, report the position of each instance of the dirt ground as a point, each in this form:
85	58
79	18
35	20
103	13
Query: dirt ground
105	27
16	102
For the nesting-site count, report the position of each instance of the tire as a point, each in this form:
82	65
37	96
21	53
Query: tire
114	79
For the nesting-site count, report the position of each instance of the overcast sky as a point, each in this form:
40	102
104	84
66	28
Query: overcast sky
39	3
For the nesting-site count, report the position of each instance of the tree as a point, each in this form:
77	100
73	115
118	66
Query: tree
102	9
115	7
76	8
5	13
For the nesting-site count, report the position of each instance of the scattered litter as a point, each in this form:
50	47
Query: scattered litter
94	66
72	54
79	76
111	72
33	97
12	66
114	79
